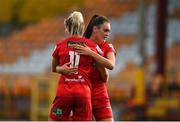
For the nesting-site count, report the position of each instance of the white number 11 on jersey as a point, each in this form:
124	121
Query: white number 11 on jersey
74	59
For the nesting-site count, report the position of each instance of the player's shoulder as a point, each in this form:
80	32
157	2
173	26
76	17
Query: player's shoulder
76	39
66	39
109	44
90	42
60	41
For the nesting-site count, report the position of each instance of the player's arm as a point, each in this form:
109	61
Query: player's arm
104	72
108	62
55	63
64	69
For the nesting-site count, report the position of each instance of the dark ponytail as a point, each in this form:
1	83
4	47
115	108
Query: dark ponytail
89	28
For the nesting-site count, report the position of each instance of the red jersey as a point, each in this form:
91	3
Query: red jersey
66	52
98	85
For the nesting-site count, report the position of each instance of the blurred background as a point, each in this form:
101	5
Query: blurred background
145	84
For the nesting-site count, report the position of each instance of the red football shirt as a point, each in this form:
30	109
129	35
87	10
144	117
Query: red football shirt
98	85
65	52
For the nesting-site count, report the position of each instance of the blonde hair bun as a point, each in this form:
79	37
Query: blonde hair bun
77	17
75	23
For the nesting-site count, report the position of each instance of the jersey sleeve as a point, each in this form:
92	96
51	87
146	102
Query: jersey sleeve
55	52
110	48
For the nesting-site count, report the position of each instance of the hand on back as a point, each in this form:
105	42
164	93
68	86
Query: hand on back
66	69
83	50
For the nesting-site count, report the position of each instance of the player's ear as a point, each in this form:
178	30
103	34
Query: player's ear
95	29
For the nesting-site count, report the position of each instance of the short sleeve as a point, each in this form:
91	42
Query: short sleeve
55	52
111	48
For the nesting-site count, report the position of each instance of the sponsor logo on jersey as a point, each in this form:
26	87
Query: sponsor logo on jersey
72	44
78	79
74	80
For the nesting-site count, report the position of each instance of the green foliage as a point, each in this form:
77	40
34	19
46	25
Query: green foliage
34	10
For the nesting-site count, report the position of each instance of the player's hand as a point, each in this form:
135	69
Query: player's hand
66	69
83	50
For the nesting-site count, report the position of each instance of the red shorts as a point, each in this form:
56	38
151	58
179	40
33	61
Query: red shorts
62	107
101	106
101	109
75	97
